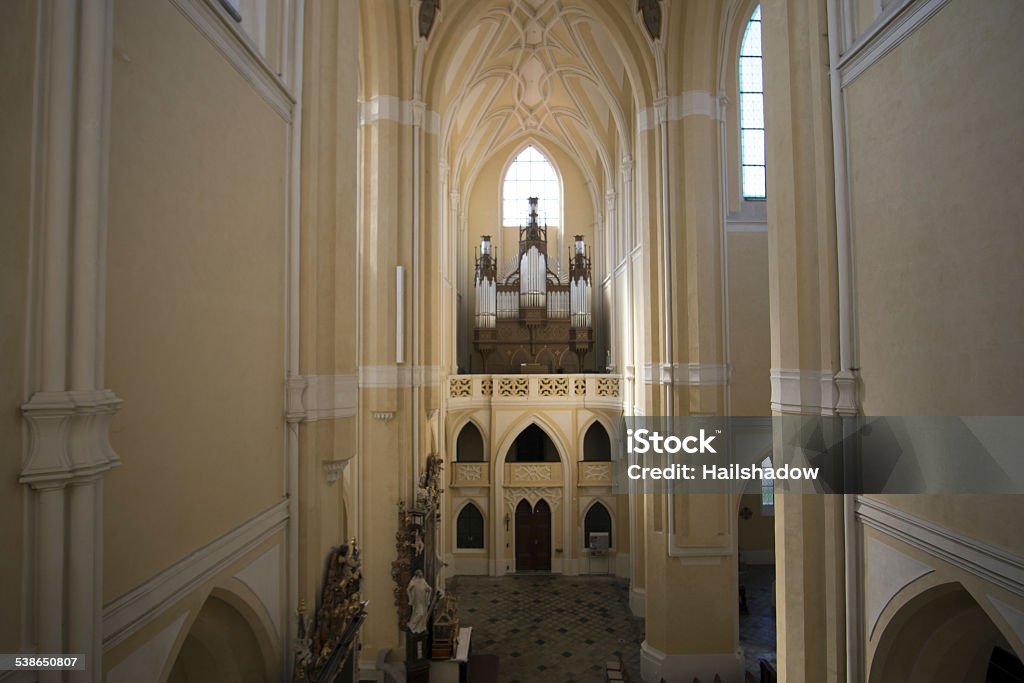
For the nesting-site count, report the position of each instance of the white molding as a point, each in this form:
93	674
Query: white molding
146	662
398	376
638	601
404	112
746	226
679	107
969	554
263	577
895	25
687	374
701	374
1013	616
322	397
236	46
127	614
803	392
889	572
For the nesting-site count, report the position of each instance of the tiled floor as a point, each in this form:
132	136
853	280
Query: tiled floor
548	628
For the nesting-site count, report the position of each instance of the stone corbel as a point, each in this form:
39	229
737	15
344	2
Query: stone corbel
332	470
68	436
846	387
295	398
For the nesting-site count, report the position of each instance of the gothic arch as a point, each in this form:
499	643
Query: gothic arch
455	525
498	501
605	423
936	632
610	509
229	636
457	432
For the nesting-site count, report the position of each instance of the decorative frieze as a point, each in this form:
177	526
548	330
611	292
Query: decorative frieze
514	387
514	494
553	386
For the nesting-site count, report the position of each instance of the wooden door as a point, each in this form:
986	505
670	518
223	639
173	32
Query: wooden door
524	535
533	536
542	536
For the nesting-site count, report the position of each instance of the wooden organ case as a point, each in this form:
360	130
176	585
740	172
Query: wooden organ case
533	319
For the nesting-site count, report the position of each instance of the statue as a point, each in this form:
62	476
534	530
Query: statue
419	592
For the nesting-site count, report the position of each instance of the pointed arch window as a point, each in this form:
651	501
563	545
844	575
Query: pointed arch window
531	175
598	520
751	81
469	528
767	490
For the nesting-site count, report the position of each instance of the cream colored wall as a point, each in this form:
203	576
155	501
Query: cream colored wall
936	158
17	51
195	303
749	333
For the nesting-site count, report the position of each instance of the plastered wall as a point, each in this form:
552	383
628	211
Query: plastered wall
195	295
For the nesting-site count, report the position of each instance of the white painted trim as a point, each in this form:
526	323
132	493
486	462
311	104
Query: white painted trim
236	46
687	374
889	571
969	554
146	662
133	610
803	392
746	226
678	107
889	30
405	112
396	376
638	601
322	397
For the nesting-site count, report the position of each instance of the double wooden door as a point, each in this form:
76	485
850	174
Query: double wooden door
533	536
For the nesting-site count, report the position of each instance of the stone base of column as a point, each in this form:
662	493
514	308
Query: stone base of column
656	666
637	602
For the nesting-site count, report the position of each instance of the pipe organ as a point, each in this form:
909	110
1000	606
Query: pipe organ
533	319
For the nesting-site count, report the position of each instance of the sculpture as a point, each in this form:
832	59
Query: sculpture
419	592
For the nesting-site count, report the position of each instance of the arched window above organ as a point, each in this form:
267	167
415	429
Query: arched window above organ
531	174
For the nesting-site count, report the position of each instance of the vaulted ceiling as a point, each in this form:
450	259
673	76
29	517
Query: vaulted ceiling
546	69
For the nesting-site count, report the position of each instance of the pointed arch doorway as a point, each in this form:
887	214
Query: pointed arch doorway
533	536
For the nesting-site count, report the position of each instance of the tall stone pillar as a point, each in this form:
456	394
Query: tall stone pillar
68	411
803	282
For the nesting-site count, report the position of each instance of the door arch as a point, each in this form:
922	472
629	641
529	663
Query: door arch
533	536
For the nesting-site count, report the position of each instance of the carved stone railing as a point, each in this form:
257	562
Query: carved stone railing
471	474
603	390
594	473
533	474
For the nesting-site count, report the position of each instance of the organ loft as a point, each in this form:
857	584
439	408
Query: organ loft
533	319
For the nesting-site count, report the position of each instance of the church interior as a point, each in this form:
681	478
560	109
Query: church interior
323	320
